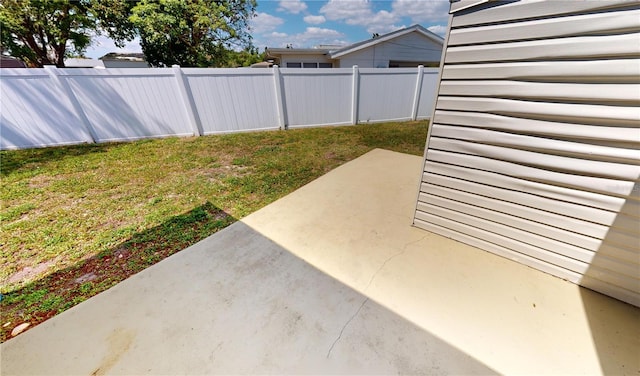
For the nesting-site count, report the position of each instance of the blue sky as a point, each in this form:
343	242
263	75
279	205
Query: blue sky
312	22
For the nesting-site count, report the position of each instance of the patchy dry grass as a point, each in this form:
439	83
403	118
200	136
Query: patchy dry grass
76	220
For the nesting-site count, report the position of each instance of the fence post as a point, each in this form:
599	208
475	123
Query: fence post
416	96
355	95
54	73
187	100
280	99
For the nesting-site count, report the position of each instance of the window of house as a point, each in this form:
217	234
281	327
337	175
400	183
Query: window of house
309	65
412	64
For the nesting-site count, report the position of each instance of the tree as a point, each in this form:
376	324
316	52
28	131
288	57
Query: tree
38	31
42	32
244	58
193	33
185	32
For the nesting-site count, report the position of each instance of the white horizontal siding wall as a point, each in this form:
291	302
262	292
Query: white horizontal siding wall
413	47
533	153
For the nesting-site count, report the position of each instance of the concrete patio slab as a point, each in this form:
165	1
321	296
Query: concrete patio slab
332	279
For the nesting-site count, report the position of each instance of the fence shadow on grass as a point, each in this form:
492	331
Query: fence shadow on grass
12	160
44	298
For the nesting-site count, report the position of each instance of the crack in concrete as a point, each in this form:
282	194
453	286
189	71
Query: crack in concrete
404	249
345	326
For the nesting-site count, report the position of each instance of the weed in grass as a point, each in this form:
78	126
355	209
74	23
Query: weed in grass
17	211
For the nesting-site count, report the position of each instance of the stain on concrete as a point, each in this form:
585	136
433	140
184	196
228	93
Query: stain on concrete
118	343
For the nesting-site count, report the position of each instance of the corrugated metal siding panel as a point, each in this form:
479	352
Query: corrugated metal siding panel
573	48
617	70
534	148
503	11
585	24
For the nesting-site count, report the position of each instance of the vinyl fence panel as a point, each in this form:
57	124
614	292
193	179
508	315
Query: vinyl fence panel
129	103
46	107
384	95
427	92
317	96
36	111
229	100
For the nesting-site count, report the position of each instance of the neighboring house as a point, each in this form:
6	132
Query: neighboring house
124	60
532	152
110	60
407	47
7	61
83	63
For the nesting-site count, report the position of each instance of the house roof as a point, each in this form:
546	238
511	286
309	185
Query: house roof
386	37
83	63
11	62
345	50
135	56
298	51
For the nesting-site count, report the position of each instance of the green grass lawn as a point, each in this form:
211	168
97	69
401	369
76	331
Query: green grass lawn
77	220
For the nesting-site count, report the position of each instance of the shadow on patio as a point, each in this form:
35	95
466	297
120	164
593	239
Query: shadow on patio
330	279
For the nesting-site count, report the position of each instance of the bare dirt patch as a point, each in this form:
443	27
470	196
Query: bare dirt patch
30	272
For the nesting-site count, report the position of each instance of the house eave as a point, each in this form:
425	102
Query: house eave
394	34
297	51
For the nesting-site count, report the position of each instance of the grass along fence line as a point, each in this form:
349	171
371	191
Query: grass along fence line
77	220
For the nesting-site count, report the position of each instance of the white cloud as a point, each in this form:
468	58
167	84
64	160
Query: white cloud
366	14
421	10
312	36
264	22
354	12
314	20
319	32
360	13
438	29
382	22
292	6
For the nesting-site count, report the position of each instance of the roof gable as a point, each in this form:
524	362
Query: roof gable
384	38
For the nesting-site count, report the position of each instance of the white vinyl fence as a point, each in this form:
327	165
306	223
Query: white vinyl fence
50	106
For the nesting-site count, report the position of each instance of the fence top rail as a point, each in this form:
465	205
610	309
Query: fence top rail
129	72
387	71
317	71
86	72
227	71
23	72
133	72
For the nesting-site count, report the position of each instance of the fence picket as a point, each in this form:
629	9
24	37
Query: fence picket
190	106
54	73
